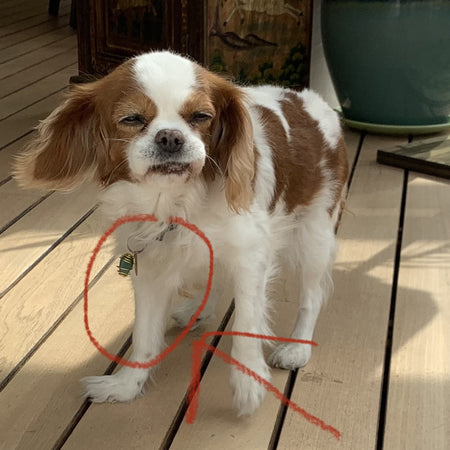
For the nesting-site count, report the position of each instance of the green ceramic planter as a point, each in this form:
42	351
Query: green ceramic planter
390	62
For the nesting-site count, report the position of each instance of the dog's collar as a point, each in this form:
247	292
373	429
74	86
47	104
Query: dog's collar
170	227
137	242
129	260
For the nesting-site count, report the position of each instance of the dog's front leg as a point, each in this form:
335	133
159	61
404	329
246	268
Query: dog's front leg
151	304
250	279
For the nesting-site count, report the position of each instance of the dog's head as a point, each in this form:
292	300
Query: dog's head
158	115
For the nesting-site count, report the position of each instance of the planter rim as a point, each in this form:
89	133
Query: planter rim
396	129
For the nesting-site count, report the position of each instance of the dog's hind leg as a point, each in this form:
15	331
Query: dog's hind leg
313	257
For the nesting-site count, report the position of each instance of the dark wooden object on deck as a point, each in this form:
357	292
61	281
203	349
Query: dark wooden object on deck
236	38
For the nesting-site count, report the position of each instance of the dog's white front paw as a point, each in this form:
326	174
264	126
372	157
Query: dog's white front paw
248	393
182	314
290	356
123	386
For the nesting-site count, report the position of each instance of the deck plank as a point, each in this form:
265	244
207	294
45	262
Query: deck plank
45	394
31	308
11	6
33	32
30	45
16	205
35	233
8	18
418	413
20	100
341	384
16	126
39	71
13	200
36	57
7	156
30	22
46	78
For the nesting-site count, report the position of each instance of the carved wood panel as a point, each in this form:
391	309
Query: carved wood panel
255	41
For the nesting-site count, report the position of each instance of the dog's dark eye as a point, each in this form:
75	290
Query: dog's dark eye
199	117
135	120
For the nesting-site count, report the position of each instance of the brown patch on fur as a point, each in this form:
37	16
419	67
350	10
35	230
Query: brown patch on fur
77	140
297	169
230	140
337	163
199	101
131	102
298	174
296	163
277	140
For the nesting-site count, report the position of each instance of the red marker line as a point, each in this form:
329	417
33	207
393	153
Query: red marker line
157	359
257	336
194	387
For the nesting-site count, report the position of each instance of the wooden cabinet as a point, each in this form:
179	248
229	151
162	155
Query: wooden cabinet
110	31
255	41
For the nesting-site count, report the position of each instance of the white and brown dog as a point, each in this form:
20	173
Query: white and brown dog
261	170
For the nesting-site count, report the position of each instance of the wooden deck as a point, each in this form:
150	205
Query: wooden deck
381	372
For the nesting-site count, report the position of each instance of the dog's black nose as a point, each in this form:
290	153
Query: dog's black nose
169	141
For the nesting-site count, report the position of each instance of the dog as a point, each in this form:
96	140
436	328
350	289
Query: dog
262	171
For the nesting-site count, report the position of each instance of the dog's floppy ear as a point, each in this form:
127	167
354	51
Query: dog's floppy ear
232	144
64	153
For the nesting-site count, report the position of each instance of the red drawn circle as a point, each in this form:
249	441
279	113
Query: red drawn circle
157	359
